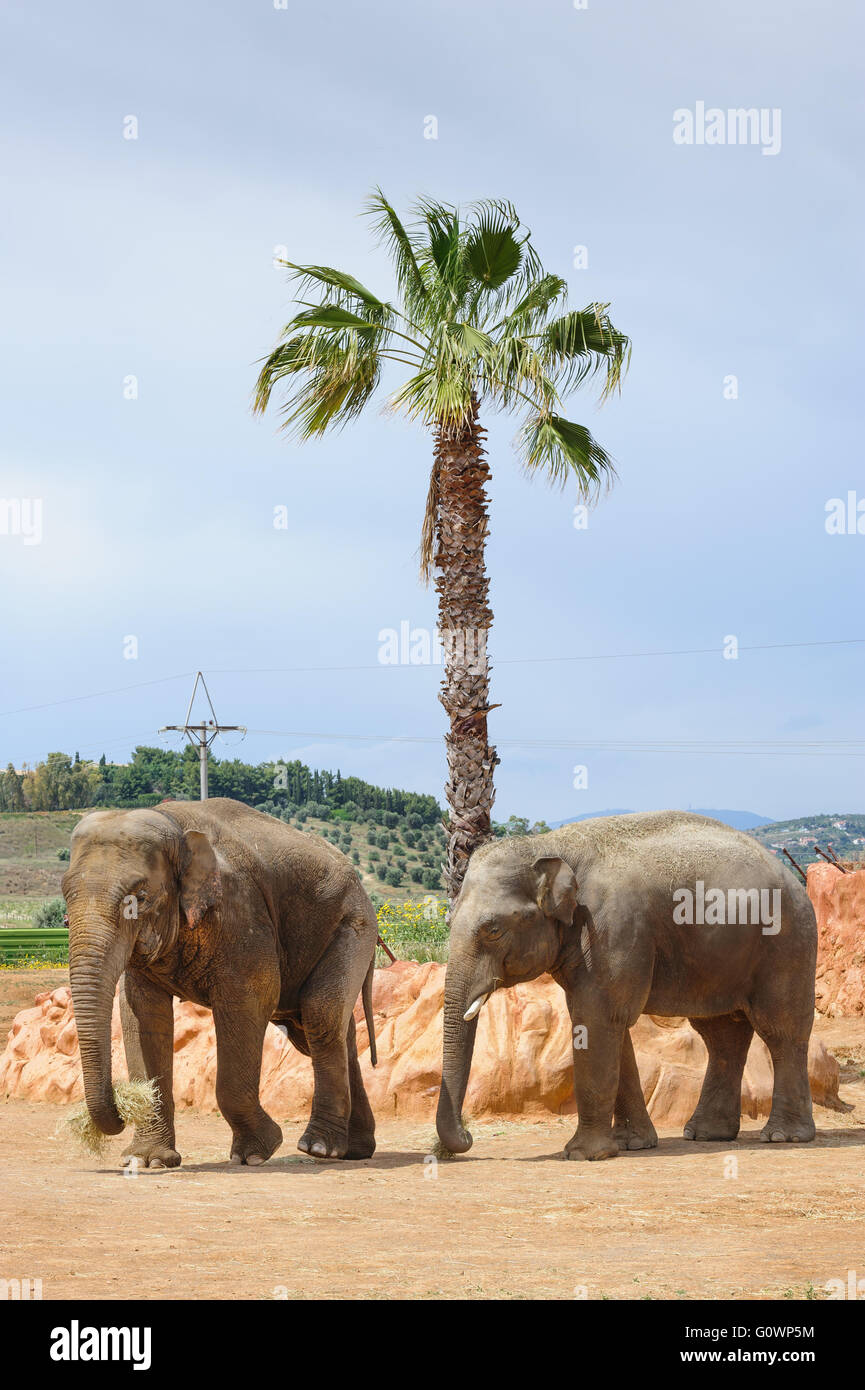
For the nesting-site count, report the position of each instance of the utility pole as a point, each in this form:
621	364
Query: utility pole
203	734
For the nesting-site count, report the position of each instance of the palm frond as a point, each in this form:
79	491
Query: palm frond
336	373
535	304
493	253
309	277
563	449
584	342
392	234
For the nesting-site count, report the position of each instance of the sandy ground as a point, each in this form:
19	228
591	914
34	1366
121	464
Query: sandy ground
509	1220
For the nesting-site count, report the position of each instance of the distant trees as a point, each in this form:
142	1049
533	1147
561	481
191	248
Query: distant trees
58	784
11	791
519	825
62	783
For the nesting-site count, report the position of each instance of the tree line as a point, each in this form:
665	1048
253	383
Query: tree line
64	783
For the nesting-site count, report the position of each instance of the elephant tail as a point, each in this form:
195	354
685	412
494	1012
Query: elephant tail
366	995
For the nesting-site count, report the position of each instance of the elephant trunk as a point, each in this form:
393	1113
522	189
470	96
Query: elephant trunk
458	1041
98	954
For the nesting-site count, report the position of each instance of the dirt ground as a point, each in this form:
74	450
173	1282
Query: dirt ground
509	1220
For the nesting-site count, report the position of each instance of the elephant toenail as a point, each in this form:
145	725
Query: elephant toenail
254	1160
319	1150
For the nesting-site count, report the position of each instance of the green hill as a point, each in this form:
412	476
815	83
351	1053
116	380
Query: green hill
398	857
845	834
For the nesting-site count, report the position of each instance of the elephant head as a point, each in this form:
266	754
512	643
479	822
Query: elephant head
132	877
511	922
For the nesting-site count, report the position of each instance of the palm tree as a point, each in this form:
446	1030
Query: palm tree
478	322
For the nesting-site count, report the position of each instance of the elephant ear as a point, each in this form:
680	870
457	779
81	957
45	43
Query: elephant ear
555	889
200	879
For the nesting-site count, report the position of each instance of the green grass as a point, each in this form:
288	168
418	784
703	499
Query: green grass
19	912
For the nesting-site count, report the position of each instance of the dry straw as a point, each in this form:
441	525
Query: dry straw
137	1104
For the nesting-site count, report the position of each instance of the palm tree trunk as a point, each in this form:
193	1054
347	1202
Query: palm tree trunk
461	523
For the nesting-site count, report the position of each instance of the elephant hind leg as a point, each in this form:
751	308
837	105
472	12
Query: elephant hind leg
791	1120
361	1125
632	1127
719	1109
341	1123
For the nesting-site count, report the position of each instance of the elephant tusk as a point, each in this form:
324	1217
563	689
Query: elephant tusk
474	1009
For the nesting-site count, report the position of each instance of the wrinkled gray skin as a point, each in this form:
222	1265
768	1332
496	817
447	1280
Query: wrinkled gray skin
234	910
592	903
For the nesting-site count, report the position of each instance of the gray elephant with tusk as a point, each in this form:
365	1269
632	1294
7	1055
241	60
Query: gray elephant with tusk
661	912
234	910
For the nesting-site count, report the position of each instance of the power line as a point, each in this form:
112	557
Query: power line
817	748
537	660
95	695
380	666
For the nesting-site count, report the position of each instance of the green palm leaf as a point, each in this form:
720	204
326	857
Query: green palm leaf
563	449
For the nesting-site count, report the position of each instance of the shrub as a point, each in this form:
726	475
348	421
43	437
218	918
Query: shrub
393	877
50	914
63	855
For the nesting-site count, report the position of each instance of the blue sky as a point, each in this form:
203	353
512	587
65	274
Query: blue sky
153	258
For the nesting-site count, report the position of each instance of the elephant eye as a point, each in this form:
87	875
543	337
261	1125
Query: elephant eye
492	930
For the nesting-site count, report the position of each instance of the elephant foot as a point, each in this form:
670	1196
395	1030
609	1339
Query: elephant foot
147	1153
360	1144
255	1148
707	1129
321	1140
631	1136
591	1147
784	1131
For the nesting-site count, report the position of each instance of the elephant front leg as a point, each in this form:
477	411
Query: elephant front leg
239	1041
632	1128
147	1017
597	1045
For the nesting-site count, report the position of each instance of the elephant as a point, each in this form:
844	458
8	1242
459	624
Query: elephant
666	913
237	911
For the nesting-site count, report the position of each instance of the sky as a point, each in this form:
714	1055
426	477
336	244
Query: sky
138	291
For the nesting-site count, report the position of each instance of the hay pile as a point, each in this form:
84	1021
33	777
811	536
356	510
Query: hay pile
137	1104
